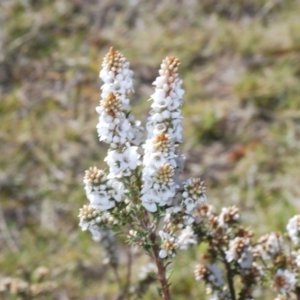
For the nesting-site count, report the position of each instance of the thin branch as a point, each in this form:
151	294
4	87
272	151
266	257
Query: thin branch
161	276
229	275
297	292
128	275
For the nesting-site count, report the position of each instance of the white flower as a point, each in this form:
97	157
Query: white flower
215	276
190	204
155	160
173	105
113	160
115	126
188	220
284	281
100	200
160	102
210	273
149	202
240	251
293	229
193	194
121	163
158	95
123	129
165	193
163	253
129	158
186	238
246	258
168	246
159	128
228	215
269	245
117	191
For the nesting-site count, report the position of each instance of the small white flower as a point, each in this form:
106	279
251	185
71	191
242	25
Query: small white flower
269	245
121	164
216	276
100	200
240	251
159	128
163	253
98	197
228	215
156	159
161	103
118	190
130	157
149	202
166	114
173	105
165	193
246	258
210	273
123	128
190	204
293	229
158	95
168	246
188	220
157	117
187	237
113	160
284	281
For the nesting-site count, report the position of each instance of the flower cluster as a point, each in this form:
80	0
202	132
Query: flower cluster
117	126
211	274
194	194
102	192
162	160
142	185
165	115
143	197
168	246
268	260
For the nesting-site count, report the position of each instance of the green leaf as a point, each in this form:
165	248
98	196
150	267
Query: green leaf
169	273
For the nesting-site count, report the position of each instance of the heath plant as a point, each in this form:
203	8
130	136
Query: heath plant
142	197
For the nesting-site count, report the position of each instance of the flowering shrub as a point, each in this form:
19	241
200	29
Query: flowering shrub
142	196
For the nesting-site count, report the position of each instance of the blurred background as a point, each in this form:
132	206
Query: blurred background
240	65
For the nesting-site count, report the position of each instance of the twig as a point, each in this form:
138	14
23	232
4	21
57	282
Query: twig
229	275
297	292
128	277
160	268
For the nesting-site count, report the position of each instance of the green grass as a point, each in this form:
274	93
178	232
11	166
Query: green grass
240	68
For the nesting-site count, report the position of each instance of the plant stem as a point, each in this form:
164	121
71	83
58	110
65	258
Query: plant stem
297	292
128	275
160	268
229	275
